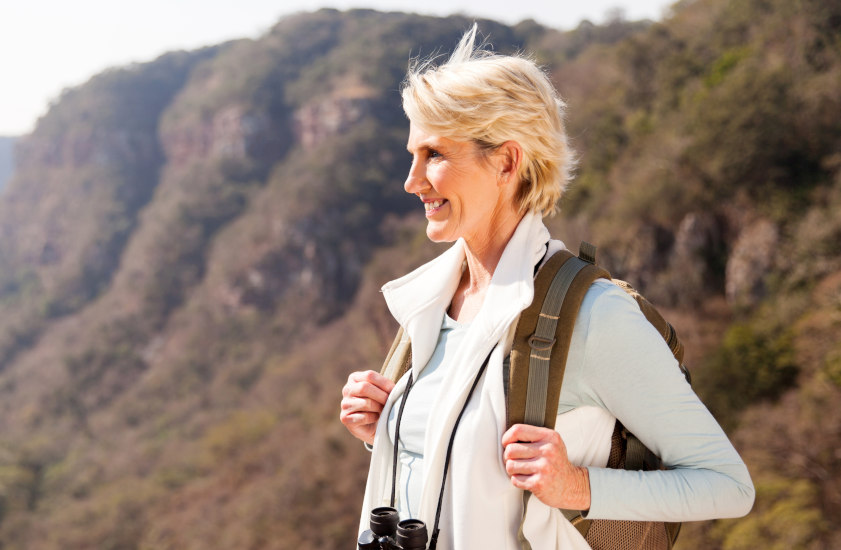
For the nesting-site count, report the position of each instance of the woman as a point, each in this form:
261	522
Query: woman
490	159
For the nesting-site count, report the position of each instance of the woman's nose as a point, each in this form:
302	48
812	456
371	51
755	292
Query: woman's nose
415	180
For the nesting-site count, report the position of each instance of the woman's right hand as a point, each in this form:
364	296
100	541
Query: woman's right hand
363	399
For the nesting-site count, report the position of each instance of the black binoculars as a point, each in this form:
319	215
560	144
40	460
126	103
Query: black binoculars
387	532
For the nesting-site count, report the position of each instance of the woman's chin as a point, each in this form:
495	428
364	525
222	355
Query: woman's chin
438	234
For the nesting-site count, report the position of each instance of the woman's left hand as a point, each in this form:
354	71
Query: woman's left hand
536	460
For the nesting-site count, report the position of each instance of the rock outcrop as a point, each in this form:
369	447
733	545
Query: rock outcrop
750	262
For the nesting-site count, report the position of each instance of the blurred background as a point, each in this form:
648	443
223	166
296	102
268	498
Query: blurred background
192	243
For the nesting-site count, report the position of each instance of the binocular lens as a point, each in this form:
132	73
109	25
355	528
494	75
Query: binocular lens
384	521
411	534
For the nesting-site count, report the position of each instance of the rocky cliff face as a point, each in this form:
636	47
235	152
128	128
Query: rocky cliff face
229	133
751	262
315	122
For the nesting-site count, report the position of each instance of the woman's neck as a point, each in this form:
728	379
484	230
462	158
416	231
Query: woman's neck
482	255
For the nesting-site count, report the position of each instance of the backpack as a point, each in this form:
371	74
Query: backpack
533	375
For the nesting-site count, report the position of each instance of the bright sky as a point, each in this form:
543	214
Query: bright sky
49	45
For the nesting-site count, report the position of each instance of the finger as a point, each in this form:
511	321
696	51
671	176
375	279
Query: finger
374	378
365	390
367	385
520	451
354	404
522	467
358	418
526	433
525	482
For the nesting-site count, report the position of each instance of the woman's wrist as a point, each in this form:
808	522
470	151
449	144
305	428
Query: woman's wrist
579	494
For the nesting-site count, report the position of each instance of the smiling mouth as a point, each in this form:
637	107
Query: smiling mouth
434	205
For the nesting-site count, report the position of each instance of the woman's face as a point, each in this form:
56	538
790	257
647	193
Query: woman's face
459	187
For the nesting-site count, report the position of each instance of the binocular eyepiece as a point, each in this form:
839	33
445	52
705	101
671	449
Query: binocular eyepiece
387	532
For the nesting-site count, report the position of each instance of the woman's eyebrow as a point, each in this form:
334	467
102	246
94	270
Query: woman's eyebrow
423	147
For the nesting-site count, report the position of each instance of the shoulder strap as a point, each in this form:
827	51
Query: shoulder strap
399	358
543	335
666	330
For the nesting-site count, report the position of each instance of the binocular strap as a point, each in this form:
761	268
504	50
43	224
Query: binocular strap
397	438
433	541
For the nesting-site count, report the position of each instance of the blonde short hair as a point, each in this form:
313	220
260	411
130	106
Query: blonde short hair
489	99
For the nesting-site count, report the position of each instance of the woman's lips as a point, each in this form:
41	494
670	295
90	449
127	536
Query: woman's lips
432	207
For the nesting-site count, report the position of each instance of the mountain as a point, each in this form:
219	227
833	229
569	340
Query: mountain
191	251
7	164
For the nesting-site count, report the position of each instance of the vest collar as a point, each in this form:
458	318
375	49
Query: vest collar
419	300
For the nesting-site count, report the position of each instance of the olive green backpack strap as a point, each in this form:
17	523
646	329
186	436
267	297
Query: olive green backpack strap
542	339
399	358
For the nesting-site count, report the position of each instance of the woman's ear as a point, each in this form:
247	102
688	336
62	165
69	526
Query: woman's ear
509	156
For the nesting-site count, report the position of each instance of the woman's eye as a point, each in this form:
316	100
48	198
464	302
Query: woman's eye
434	154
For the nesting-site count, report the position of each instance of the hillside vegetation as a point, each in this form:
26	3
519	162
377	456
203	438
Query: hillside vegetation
191	251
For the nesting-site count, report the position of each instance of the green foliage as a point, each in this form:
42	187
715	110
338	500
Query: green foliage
743	133
554	48
752	364
724	64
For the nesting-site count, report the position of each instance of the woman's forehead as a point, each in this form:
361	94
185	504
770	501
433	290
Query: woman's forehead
420	138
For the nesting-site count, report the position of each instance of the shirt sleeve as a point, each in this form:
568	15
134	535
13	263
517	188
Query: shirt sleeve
629	370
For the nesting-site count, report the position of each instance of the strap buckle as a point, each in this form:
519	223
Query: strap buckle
538	343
